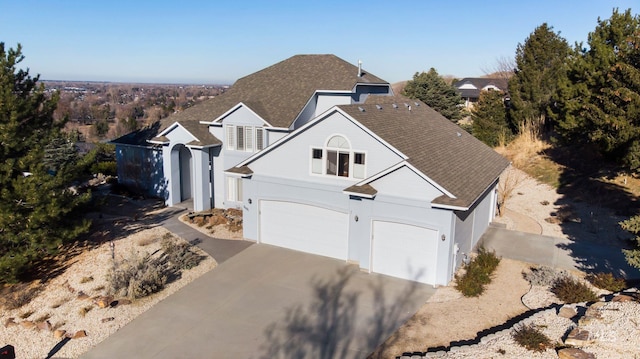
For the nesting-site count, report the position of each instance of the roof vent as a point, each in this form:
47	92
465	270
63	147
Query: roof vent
406	104
459	134
359	68
379	107
395	106
417	103
361	109
409	108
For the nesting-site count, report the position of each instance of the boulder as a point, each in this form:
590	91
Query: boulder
623	298
567	312
574	353
82	295
59	333
579	338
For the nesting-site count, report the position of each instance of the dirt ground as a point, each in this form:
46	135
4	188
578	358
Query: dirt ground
449	317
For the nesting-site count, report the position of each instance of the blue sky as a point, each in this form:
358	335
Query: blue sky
220	41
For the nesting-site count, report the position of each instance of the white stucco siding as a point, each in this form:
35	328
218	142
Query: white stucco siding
463	236
405	183
242	116
179	135
293	159
326	101
483	213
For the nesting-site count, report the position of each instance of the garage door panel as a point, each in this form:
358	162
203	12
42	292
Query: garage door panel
304	228
404	251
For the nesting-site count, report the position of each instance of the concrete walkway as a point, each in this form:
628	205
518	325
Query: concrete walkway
220	249
558	252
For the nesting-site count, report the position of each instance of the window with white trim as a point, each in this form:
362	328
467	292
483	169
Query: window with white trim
244	138
234	189
337	159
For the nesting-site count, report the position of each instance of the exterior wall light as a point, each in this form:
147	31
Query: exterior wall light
249	200
443	237
356	218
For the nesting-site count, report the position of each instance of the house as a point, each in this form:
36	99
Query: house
322	157
470	88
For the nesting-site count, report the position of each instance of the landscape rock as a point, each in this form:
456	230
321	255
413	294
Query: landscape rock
44	325
59	333
108	319
10	322
623	298
567	312
82	295
123	301
27	324
103	302
79	334
579	338
574	353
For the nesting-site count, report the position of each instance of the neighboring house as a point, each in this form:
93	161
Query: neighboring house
323	158
470	88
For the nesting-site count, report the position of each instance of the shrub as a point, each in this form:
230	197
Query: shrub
107	168
530	337
19	295
137	278
607	281
477	273
570	290
543	275
179	254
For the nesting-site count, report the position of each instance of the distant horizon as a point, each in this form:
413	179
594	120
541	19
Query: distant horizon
220	42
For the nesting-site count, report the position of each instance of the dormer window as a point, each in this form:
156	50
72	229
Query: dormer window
338	159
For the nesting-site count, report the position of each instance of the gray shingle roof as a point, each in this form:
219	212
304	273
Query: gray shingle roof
277	93
437	147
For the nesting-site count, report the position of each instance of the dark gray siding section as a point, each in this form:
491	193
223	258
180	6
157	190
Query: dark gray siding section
140	169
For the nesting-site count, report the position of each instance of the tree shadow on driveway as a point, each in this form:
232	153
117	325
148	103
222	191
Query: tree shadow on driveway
345	319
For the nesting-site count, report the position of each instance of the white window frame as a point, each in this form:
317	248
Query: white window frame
234	189
244	138
319	166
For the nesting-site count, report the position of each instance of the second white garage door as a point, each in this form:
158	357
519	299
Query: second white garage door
304	228
405	251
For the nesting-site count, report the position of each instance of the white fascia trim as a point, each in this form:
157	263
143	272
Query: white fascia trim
202	147
412	168
232	109
158	142
236	175
277	129
173	126
453	208
358	194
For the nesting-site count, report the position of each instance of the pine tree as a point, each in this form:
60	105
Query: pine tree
632	225
489	117
602	105
434	91
540	71
36	207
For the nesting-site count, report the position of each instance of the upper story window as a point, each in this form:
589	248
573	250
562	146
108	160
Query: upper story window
245	138
338	159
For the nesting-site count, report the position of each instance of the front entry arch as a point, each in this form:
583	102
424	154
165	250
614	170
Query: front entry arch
183	162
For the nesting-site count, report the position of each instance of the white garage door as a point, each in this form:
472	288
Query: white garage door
304	228
405	251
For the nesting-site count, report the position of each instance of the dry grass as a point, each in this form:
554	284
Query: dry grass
527	153
509	181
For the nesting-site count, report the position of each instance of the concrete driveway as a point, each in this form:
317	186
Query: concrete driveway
270	302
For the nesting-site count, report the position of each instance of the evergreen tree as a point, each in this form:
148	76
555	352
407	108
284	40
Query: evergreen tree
433	90
36	207
540	71
632	225
602	105
489	117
